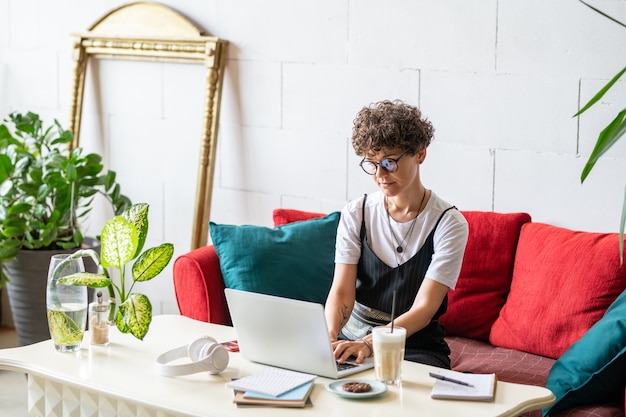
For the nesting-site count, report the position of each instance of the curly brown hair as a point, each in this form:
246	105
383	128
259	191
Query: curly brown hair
390	125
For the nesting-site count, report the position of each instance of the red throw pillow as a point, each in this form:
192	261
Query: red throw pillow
285	216
563	282
485	275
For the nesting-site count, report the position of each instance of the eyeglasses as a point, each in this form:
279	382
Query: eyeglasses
388	164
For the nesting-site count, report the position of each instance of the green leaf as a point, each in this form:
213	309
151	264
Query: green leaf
66	245
54	179
87	279
137	214
9	249
5	167
63	329
152	262
13	227
603	14
12	231
55	216
115	192
109	180
65	135
20	208
4	133
93	159
119	322
36	176
77	237
601	93
43	192
119	242
136	313
28	189
6	187
71	173
606	139
21	164
122	204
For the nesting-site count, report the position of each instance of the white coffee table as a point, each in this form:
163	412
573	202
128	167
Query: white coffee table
121	380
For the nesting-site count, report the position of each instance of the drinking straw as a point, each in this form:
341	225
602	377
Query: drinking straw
393	309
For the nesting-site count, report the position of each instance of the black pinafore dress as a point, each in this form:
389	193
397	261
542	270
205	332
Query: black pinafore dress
376	282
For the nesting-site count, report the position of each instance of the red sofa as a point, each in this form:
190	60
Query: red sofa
529	305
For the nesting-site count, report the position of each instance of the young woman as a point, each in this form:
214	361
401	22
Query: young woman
403	239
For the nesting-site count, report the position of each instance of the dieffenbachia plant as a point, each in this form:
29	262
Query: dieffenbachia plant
122	240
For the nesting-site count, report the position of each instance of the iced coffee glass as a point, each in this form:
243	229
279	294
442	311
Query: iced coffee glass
388	353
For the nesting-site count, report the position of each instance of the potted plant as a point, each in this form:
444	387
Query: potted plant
46	190
122	239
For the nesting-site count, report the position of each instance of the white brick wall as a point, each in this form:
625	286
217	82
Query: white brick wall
500	80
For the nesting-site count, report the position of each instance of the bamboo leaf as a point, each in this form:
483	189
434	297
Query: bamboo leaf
601	93
602	13
606	139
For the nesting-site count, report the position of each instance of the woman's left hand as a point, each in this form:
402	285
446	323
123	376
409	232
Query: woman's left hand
345	349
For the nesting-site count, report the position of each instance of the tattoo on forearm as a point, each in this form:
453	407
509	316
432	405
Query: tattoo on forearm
344	314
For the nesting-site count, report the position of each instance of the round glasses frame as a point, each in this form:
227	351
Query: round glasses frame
388	164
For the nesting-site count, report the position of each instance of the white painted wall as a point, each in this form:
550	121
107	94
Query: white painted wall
499	79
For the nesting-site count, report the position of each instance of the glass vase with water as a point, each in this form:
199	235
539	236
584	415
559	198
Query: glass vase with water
66	304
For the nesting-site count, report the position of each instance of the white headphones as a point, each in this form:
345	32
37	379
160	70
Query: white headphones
205	353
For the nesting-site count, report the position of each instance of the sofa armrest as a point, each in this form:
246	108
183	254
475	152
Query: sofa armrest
199	286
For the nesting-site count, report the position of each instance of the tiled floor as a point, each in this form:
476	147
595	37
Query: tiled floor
13	397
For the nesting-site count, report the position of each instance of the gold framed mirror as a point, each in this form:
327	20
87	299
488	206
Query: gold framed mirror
155	32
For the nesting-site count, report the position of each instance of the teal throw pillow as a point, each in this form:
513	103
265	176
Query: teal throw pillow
593	369
295	260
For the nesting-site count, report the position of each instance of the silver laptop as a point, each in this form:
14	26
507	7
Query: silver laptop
286	333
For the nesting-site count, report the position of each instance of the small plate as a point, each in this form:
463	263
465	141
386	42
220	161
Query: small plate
336	387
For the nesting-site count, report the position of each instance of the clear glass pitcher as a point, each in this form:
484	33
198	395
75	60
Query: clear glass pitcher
66	304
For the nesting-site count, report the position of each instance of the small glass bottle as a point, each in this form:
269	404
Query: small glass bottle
98	321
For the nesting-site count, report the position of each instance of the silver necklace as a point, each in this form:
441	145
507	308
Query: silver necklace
400	247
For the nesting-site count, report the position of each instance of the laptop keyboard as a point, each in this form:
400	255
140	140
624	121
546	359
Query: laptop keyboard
345	365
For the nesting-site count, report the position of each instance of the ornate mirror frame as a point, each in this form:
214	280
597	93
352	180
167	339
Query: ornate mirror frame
154	32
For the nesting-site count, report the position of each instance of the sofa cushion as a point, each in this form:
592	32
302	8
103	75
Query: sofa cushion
295	260
563	282
485	276
284	216
594	368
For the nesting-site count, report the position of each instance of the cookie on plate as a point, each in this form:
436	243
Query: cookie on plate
356	387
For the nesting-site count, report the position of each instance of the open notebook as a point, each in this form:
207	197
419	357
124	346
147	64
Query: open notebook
286	333
477	387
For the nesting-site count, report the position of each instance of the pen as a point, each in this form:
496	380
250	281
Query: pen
445	378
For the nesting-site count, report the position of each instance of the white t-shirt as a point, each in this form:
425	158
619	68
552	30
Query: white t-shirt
449	240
